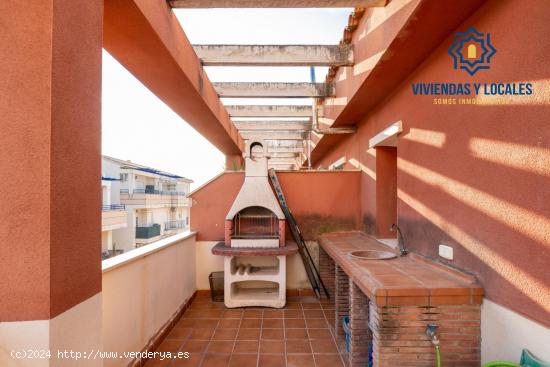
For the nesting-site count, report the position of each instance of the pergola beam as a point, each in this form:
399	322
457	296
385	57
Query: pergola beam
147	39
273	134
276	3
259	125
275	55
273	90
336	130
269	111
275	155
291	149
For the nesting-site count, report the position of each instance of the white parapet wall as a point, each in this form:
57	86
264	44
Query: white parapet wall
142	289
504	333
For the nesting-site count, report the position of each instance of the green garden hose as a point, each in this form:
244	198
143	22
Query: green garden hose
501	364
437	356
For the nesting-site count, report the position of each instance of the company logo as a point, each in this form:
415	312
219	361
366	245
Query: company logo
472	51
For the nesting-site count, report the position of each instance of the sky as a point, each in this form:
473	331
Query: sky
138	126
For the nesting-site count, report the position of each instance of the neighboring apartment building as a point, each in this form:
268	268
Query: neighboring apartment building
140	205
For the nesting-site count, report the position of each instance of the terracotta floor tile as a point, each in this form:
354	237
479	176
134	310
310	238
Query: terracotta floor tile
293	306
206	323
328	360
272	347
232	314
296	334
194	360
186	323
314	314
179	333
300	360
218	337
216	360
248	334
273	334
298	347
273	314
195	346
272	360
229	323
246	347
225	334
341	345
295	323
272	323
212	314
251	323
243	360
294	314
158	362
316	323
311	305
252	314
324	346
193	314
201	334
170	346
220	346
319	334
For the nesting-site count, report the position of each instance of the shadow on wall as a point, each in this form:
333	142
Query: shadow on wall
489	206
312	226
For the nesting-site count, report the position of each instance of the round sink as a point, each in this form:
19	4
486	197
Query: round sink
372	255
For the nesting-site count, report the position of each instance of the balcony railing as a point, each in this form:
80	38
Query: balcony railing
148	231
174	224
147	191
174	193
109	207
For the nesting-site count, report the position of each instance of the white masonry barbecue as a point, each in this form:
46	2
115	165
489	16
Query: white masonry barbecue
254	249
255	218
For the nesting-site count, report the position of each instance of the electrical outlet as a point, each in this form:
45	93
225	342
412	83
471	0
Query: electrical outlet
446	252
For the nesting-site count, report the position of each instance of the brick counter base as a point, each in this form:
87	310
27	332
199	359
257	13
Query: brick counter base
326	272
399	337
398	332
359	326
341	300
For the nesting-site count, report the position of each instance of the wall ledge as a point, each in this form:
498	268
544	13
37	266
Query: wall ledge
133	255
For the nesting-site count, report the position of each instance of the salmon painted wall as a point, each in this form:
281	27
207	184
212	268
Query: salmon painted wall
474	177
50	103
321	201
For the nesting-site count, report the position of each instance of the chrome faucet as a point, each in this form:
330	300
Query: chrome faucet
400	242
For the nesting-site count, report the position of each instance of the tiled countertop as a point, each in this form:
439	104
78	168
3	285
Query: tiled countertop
403	281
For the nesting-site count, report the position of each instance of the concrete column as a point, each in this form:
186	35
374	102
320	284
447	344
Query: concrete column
359	327
50	166
341	299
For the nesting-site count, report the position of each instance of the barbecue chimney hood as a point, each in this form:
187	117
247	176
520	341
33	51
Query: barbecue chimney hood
255	218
